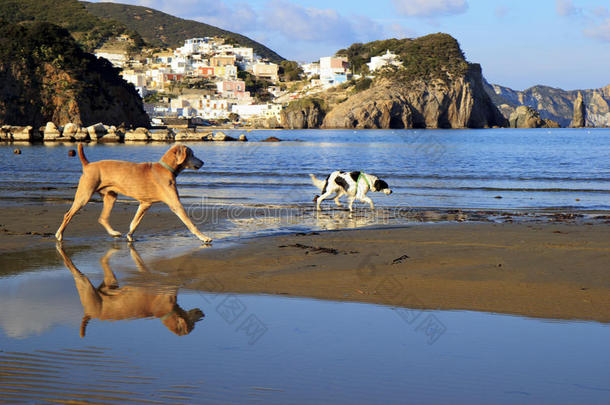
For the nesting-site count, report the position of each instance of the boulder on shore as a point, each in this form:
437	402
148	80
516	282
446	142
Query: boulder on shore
113	135
220	137
51	132
75	132
5	133
97	131
271	139
25	134
162	135
187	135
137	135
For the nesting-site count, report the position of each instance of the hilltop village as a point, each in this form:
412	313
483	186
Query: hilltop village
208	80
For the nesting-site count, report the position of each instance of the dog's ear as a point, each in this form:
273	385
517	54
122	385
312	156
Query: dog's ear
181	154
380	185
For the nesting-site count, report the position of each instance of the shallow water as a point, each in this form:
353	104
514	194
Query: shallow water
541	168
272	349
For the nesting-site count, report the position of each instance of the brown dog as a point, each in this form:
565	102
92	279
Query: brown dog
146	182
111	302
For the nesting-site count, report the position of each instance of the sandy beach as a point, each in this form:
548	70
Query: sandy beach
544	269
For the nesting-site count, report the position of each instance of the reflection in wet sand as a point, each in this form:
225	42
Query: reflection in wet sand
109	301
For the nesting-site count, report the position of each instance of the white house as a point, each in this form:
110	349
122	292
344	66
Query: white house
386	59
195	45
311	69
266	70
330	65
138	79
268	110
116	58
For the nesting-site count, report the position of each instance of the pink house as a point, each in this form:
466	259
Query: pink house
233	89
231	86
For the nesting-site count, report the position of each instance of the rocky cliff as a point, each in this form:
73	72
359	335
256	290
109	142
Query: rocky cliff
45	76
304	113
579	112
527	117
556	104
460	103
434	88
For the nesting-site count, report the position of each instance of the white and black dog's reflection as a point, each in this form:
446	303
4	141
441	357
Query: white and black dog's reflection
110	301
353	184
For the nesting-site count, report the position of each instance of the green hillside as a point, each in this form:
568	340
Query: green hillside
87	29
161	29
46	76
434	56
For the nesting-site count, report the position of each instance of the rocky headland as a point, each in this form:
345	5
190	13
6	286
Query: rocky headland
46	76
434	88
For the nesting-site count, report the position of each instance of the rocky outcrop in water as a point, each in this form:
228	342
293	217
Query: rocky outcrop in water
527	117
579	112
45	76
304	113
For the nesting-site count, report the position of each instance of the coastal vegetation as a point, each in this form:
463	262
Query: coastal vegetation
290	71
162	30
93	24
46	76
428	58
90	31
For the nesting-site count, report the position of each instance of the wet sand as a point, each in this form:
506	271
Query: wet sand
542	269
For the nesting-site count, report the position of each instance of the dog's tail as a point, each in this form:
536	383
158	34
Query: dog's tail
81	155
321	184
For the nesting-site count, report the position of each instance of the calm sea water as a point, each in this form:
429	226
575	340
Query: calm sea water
495	168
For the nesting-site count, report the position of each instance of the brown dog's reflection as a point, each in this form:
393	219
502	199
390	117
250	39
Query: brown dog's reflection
111	302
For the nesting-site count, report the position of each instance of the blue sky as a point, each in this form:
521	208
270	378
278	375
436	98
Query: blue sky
519	43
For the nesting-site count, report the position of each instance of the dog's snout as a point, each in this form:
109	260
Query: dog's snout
196	163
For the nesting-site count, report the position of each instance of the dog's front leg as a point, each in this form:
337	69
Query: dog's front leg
179	211
173	202
322	198
368	200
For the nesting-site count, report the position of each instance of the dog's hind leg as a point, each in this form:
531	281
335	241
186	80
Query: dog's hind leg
144	206
110	282
109	199
85	190
339	194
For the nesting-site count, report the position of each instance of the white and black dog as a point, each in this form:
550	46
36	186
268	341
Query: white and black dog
354	184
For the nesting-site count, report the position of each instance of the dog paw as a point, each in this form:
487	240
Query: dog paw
129	238
206	240
59	236
115	234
